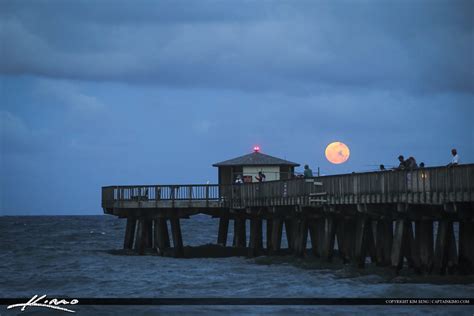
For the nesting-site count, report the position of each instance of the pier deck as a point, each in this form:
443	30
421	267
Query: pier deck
387	216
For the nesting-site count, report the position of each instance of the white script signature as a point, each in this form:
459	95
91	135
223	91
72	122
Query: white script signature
43	302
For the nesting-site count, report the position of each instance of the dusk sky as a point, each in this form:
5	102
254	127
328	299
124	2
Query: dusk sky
98	93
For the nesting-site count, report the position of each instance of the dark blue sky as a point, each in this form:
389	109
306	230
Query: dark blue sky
98	93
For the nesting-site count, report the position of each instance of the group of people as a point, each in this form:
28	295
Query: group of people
260	178
410	163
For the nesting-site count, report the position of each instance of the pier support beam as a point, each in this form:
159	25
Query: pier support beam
317	236
240	235
255	243
404	246
300	236
364	241
223	230
466	248
277	229
269	234
129	233
411	248
424	241
346	238
313	232
177	238
445	251
383	242
162	238
142	236
149	234
259	240
289	231
329	234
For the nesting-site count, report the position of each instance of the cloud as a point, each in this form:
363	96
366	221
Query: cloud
68	95
16	136
303	47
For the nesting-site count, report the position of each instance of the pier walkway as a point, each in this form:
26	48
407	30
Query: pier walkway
388	216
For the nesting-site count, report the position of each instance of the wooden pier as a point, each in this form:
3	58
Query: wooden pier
391	217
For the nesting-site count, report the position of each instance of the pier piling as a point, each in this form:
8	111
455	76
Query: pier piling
177	238
223	229
129	233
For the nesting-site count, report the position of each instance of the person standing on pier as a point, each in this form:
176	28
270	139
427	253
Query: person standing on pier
260	177
403	163
455	160
411	164
239	180
308	173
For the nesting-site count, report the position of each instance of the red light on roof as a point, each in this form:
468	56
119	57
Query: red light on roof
256	149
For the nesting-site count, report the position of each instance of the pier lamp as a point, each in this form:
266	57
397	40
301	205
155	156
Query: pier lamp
256	148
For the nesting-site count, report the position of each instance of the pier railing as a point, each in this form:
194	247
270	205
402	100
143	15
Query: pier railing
425	185
190	192
434	185
235	195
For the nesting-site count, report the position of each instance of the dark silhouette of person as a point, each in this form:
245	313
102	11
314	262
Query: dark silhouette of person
455	160
382	168
308	173
403	164
260	177
238	179
411	164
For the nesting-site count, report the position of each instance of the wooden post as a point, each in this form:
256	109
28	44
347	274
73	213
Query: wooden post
289	230
140	239
445	251
424	237
259	240
383	242
148	234
364	241
340	237
313	232
269	234
410	248
329	238
452	250
397	255
296	245
346	238
166	235
255	243
129	233
276	234
240	237
162	240
300	236
223	230
369	241
404	245
360	247
177	238
466	248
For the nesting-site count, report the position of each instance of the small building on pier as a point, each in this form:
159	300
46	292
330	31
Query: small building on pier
248	167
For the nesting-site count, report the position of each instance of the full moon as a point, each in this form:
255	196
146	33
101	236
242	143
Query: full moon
337	153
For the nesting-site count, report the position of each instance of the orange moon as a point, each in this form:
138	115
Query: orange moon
337	153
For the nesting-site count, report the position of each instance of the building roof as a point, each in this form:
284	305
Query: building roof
256	159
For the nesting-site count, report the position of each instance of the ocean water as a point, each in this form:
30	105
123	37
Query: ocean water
74	256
